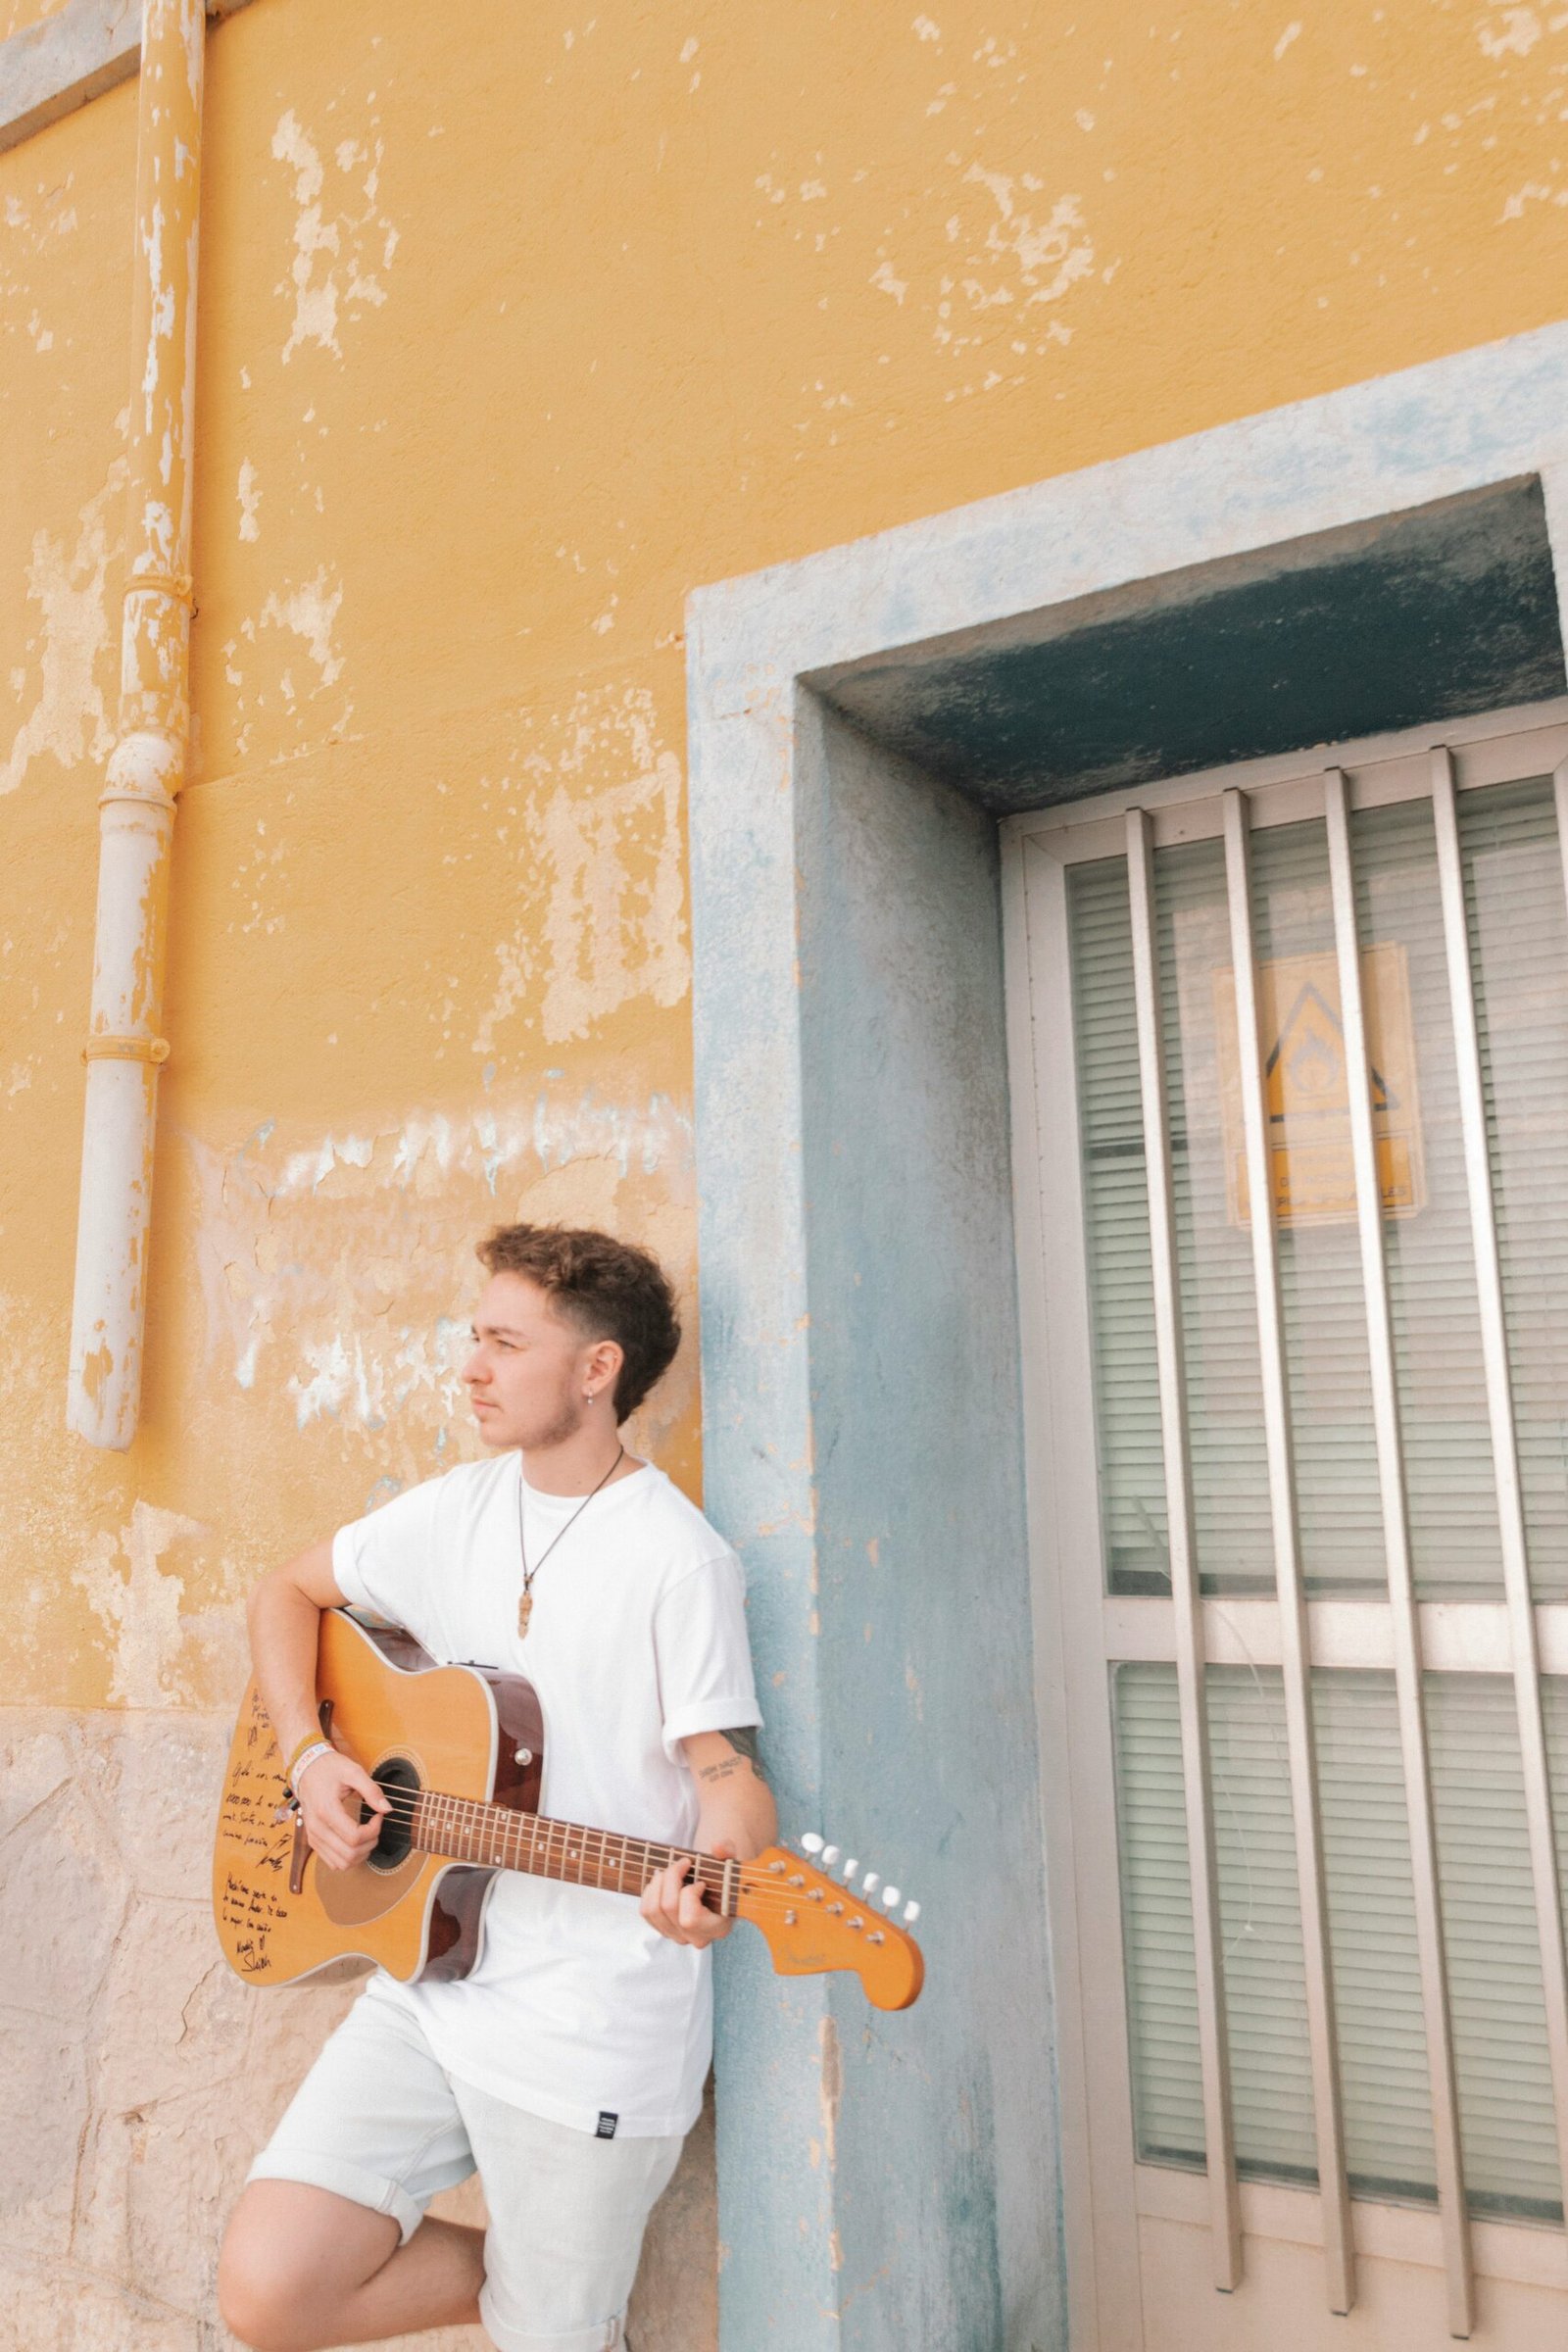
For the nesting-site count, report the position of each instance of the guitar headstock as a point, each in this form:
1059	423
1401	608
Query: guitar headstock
814	1923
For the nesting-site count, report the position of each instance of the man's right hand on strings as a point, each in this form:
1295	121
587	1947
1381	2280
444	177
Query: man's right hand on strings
330	1797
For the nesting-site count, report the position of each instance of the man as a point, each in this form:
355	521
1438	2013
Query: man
567	2068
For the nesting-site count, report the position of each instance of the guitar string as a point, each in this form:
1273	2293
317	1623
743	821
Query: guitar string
710	1868
559	1854
560	1859
596	1844
405	1803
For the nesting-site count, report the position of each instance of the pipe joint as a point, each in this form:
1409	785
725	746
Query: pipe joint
147	766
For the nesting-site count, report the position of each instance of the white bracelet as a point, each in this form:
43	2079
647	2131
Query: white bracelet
302	1764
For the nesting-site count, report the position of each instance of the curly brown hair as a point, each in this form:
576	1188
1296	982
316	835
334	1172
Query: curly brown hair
610	1290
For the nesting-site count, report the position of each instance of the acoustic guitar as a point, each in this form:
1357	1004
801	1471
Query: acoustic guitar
459	1752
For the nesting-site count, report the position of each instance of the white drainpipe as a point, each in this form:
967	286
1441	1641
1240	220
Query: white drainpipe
147	766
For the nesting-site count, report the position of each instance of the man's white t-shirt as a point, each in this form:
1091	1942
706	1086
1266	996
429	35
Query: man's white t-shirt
577	2009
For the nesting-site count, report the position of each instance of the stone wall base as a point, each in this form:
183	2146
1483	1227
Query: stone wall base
141	2075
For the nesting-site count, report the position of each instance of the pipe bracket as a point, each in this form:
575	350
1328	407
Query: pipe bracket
176	585
125	1049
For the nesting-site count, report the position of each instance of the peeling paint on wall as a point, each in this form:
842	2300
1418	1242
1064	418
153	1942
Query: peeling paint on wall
138	1604
249	498
1508	29
310	611
830	2089
69	718
338	255
336	1272
609	845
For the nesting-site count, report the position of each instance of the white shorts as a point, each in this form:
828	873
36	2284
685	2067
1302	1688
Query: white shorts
378	2120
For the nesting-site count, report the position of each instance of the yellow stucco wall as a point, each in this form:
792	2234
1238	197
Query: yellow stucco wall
504	344
516	325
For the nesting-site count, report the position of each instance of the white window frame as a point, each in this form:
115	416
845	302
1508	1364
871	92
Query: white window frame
1079	1628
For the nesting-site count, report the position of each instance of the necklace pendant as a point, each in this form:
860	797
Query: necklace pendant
525	1612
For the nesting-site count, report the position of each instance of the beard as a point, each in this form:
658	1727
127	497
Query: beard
554	1430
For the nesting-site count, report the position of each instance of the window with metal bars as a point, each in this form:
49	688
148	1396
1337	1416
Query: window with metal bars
1517	938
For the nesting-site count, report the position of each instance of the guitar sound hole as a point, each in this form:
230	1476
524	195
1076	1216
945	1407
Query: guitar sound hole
397	1779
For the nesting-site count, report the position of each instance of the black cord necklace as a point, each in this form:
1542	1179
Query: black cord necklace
525	1602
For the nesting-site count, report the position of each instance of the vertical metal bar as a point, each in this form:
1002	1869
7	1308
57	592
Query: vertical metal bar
1305	1813
1219	2131
1522	1636
1452	2209
1560	784
1105	2273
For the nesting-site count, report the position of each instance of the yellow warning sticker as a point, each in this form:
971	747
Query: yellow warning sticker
1307	1087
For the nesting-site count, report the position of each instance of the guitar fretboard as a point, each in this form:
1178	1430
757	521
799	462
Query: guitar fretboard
464	1830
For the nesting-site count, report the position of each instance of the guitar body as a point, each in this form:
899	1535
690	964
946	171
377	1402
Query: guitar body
468	1731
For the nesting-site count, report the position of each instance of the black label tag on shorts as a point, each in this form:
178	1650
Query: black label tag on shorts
606	2124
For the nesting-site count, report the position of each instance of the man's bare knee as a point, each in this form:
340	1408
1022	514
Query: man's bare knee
258	2288
290	2256
255	2305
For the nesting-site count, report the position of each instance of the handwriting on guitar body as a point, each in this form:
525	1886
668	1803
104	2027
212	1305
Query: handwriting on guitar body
251	1897
249	1816
247	1915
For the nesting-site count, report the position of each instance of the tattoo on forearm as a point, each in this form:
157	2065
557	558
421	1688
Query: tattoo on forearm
742	1741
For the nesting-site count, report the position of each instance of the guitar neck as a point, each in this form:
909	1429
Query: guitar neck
464	1830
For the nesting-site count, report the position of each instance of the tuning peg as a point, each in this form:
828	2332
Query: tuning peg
871	1881
811	1844
850	1869
830	1854
911	1912
892	1897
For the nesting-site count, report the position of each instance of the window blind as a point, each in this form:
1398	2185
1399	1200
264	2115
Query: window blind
1504	2082
1518	920
1450	1480
1132	1475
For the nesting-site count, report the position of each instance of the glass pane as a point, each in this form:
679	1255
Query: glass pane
1259	1921
1323	1303
1132	1475
1377	1980
1519	955
1450	1486
1554	1708
1506	2126
1215	1253
1505	2085
1157	1917
1521	968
